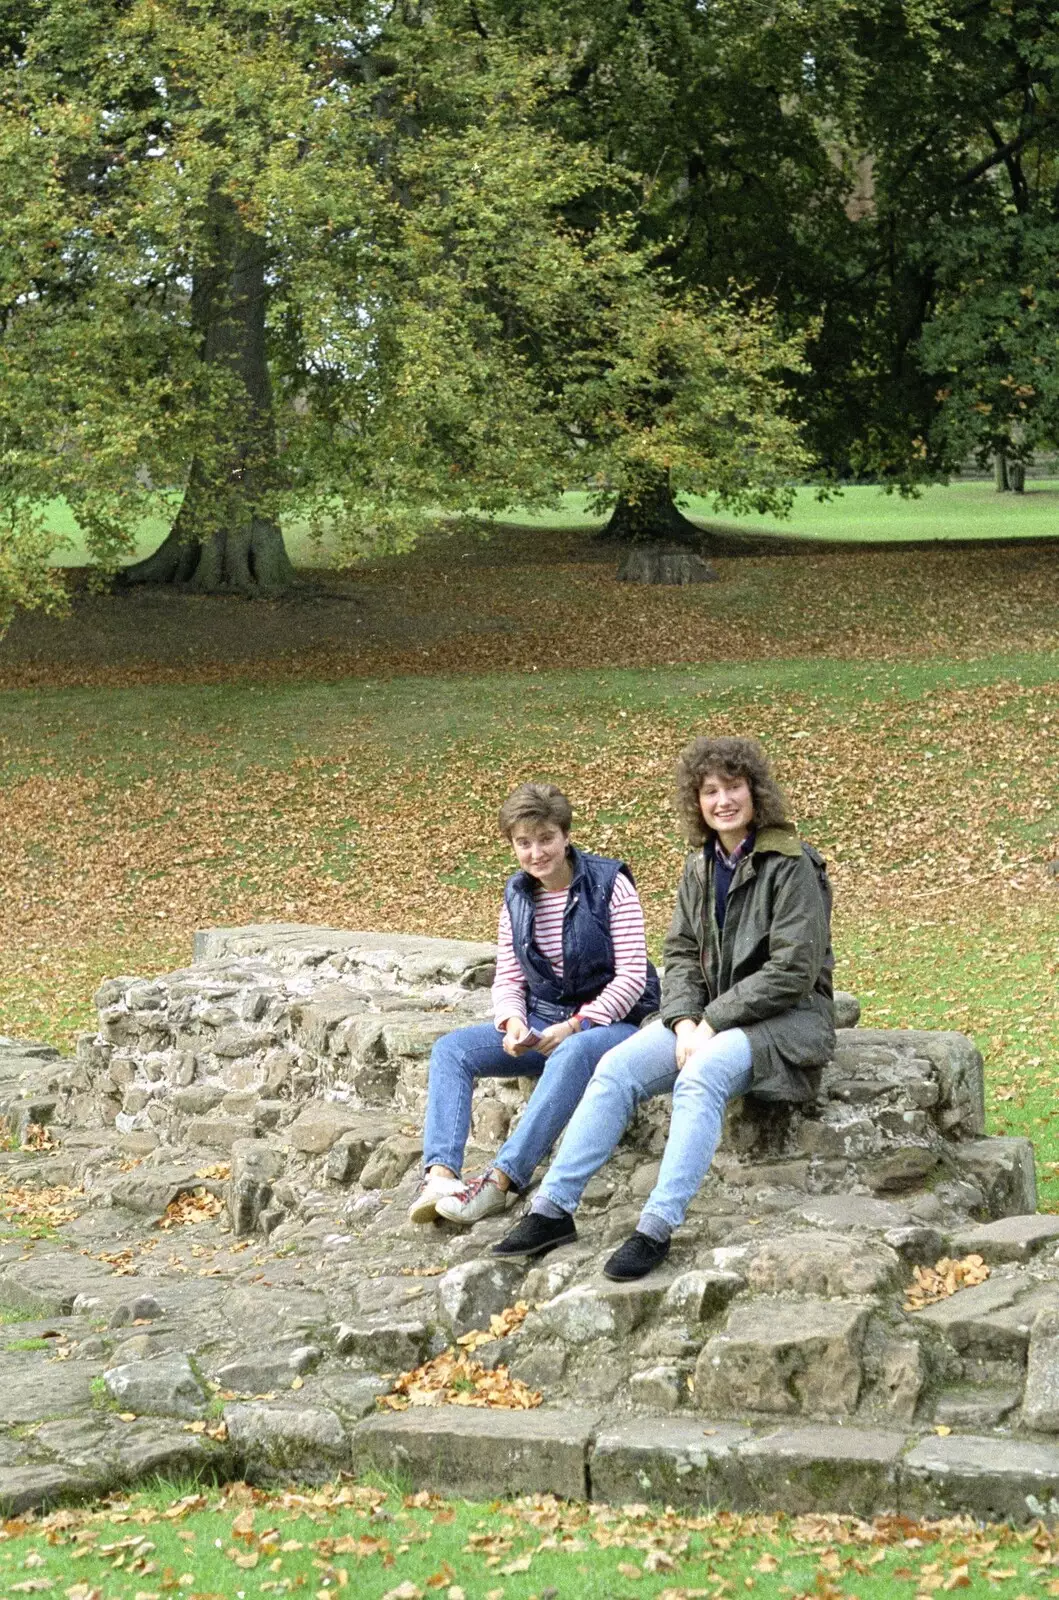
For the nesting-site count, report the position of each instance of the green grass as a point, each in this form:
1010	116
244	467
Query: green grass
864	514
860	514
10	1315
149	534
127	732
371	1542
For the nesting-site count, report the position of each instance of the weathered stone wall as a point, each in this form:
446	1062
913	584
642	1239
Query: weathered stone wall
313	1037
281	1078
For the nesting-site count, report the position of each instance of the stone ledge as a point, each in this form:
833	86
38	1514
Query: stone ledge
478	1453
483	1454
847	1470
987	1477
680	1462
856	1471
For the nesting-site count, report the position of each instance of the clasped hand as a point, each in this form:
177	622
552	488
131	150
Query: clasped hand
691	1036
550	1039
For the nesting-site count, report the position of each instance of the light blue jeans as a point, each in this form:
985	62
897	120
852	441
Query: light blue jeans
633	1072
460	1057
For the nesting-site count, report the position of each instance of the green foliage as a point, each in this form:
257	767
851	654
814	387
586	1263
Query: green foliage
885	174
338	263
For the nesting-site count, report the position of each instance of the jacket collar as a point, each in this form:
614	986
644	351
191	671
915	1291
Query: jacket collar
782	839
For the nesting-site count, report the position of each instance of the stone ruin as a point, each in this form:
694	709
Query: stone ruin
230	1282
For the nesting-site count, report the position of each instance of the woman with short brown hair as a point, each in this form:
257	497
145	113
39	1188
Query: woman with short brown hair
572	980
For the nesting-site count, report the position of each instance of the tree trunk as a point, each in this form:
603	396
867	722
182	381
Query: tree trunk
1000	465
1017	477
224	538
648	515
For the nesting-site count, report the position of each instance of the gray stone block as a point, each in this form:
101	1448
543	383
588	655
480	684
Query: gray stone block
976	1408
847	1009
853	1213
661	1388
902	1168
823	1264
1040	1403
1003	1168
258	1371
256	1165
219	1133
480	1453
781	1356
389	1343
599	1309
1013	1238
978	1476
848	1470
696	1296
149	1446
319	1126
994	1317
164	1386
310	1438
149	1190
32	1488
34	1388
390	1160
677	1461
942	1072
471	1293
352	1394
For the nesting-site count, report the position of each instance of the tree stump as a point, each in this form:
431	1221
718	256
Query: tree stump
673	564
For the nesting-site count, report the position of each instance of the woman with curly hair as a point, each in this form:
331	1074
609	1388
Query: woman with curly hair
747	1003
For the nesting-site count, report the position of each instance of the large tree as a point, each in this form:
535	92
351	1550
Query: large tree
883	171
264	259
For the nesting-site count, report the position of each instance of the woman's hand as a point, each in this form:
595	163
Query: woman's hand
691	1036
515	1030
554	1036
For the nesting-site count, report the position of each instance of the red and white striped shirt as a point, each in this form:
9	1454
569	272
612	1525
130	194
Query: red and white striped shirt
630	955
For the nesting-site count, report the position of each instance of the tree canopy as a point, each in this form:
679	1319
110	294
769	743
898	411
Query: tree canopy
884	171
339	263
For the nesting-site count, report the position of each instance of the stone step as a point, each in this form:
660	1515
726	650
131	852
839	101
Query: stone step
1009	1239
481	1453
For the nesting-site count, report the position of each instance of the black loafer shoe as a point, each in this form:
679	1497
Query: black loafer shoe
635	1258
536	1235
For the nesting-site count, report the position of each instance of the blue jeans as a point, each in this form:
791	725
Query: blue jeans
634	1072
477	1052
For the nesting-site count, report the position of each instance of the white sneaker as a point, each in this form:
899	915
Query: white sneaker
430	1191
483	1197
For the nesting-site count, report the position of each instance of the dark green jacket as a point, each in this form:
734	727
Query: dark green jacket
769	972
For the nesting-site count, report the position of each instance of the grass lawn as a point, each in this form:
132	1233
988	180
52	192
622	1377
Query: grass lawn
370	1542
860	514
863	514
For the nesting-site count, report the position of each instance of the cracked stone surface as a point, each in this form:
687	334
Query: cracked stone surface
233	1282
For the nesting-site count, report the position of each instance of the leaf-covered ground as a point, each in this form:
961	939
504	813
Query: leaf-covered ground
530	598
373	1543
130	817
